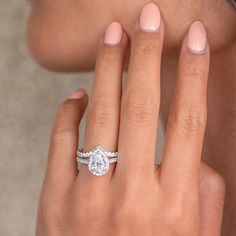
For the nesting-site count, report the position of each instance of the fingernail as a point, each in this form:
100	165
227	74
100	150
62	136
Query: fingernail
113	34
78	94
150	18
197	38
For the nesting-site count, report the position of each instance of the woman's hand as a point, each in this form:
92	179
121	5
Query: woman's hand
136	197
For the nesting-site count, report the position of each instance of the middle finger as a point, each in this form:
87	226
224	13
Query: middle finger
141	98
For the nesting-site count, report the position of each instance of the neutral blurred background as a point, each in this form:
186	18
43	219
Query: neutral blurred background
29	97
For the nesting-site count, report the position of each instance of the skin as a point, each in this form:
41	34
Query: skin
58	29
138	201
66	35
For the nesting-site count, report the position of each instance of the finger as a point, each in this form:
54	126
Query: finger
141	98
62	168
212	193
187	119
104	107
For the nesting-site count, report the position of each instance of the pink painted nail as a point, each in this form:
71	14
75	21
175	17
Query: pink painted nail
113	34
150	18
78	94
197	38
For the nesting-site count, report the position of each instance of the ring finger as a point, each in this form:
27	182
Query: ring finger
104	106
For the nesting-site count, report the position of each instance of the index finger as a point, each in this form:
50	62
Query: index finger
61	167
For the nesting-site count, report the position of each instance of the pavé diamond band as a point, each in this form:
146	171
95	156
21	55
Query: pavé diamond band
98	160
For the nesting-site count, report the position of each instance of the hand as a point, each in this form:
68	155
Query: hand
136	197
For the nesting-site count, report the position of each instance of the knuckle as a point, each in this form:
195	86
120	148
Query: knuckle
213	181
175	210
146	46
103	113
64	136
217	184
194	71
110	54
174	216
193	68
66	111
188	119
140	109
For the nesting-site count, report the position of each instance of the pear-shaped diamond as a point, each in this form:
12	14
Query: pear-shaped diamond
98	162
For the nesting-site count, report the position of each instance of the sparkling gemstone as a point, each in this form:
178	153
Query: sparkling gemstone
98	163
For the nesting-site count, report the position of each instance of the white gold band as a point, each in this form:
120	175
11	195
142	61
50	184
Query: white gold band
82	154
86	161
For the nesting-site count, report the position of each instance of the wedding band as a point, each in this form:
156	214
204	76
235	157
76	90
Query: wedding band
98	160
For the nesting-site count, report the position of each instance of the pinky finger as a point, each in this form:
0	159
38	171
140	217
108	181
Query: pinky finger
188	112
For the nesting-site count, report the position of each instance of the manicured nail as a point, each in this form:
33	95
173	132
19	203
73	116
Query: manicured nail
197	38
150	18
78	94
113	34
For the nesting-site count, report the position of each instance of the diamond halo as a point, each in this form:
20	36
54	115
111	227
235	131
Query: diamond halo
97	159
